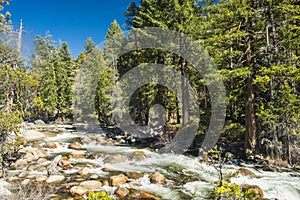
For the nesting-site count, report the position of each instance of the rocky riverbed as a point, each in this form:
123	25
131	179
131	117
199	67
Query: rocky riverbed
76	162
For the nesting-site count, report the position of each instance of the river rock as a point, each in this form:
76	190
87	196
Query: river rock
36	152
42	161
75	145
55	179
113	159
246	172
254	188
26	182
23	175
78	190
30	157
138	156
65	164
84	172
41	178
77	154
91	185
50	145
144	196
122	192
94	177
105	183
134	175
32	135
4	192
85	140
41	169
118	180
19	164
157	178
39	122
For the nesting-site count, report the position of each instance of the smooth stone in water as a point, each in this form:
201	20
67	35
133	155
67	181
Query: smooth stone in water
50	145
84	172
32	135
26	182
78	190
144	196
41	178
77	154
19	164
254	188
75	145
121	192
134	175
113	159
157	178
23	175
91	185
54	179
118	180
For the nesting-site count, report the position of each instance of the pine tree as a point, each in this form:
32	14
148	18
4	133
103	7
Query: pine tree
64	69
90	67
245	38
109	75
181	16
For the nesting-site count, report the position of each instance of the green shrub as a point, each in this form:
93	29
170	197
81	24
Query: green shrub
99	196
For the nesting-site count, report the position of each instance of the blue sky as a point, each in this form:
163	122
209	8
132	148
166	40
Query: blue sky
72	21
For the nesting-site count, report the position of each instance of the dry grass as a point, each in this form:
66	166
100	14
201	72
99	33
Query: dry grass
32	191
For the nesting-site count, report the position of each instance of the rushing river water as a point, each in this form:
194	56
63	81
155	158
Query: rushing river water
177	169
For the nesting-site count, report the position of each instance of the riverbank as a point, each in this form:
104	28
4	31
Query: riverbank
75	162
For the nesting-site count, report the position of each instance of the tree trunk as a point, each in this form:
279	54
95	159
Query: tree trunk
251	129
184	85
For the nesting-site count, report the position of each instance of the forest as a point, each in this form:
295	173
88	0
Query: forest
255	46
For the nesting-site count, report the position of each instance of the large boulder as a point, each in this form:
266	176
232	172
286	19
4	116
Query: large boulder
75	145
32	135
113	159
122	192
138	156
144	196
78	190
39	122
157	178
84	172
36	152
134	175
253	188
55	179
50	145
65	163
118	180
77	154
246	172
91	185
20	164
41	178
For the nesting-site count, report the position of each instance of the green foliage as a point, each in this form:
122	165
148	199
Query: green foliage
109	73
90	66
228	191
54	69
9	140
4	18
98	196
224	188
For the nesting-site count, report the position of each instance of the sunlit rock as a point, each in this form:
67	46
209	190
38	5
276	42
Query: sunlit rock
157	178
118	180
113	159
